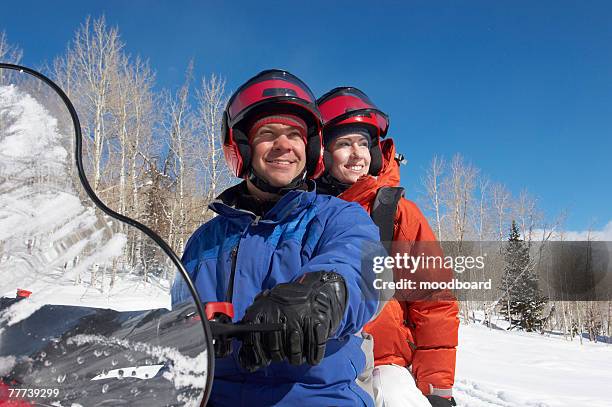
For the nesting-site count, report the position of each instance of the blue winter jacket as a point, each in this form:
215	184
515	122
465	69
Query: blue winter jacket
304	232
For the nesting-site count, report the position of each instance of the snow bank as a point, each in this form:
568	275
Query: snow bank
514	369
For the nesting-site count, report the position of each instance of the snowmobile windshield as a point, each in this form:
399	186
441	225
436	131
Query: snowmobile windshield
86	312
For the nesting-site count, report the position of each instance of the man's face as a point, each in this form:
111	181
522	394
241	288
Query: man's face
351	158
279	153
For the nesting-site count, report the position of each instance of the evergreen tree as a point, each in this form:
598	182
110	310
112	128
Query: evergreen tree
523	301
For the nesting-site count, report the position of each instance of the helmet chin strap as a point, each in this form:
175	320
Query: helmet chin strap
263	185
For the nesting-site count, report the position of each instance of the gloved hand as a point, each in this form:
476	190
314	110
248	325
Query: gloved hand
437	401
311	309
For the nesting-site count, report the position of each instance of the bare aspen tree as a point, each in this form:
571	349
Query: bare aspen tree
483	233
211	99
92	59
132	120
590	310
557	317
432	183
500	197
114	98
63	74
141	145
459	188
483	205
131	106
458	196
178	124
553	230
9	53
565	308
121	108
609	322
526	214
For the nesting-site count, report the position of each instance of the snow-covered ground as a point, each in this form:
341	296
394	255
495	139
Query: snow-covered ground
513	369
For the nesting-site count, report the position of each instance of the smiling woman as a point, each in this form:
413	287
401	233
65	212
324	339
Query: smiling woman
351	156
362	168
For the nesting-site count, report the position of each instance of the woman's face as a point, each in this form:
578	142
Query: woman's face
351	157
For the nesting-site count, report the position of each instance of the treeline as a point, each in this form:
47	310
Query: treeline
464	205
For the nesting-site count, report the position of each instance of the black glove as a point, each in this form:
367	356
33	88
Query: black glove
437	401
310	308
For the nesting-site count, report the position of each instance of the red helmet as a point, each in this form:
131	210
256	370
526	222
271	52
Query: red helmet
268	93
350	106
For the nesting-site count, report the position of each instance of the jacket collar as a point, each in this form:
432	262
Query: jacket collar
290	204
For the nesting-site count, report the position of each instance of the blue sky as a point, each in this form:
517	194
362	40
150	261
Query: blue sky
522	89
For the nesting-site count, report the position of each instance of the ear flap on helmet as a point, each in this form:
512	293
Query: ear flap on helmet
236	148
376	159
327	160
225	130
315	164
241	141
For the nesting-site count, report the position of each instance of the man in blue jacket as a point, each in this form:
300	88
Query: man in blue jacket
280	253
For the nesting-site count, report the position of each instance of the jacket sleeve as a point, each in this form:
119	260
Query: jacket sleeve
349	236
434	322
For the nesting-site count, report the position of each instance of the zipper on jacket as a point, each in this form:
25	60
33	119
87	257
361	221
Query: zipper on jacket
230	287
229	295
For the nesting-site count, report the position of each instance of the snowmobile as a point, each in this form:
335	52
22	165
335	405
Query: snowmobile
86	314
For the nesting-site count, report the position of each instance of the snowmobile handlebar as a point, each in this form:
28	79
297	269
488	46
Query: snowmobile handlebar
223	329
238	329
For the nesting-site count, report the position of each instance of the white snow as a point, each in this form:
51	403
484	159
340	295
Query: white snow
513	369
54	242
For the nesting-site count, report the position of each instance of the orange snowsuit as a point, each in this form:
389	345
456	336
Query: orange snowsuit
418	333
